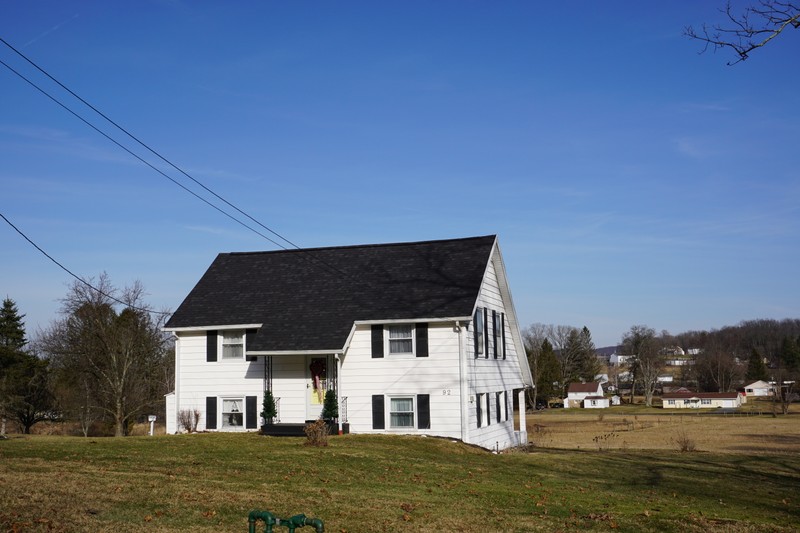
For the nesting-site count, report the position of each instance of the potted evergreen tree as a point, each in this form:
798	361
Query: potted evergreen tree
330	413
268	409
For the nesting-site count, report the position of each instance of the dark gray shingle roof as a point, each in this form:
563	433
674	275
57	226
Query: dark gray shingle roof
308	299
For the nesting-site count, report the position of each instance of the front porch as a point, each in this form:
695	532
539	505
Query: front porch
298	430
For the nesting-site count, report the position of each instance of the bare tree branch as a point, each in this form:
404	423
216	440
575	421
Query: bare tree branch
751	29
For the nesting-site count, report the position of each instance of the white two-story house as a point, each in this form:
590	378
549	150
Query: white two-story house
414	338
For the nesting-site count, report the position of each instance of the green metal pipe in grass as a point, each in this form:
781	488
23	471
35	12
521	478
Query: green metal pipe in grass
292	523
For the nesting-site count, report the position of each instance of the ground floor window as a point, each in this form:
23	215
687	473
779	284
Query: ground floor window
401	412
232	413
705	401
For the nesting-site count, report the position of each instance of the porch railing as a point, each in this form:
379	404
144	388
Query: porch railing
277	410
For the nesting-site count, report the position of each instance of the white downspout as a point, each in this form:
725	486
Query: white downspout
463	381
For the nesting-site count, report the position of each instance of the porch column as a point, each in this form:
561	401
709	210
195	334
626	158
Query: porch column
338	385
523	429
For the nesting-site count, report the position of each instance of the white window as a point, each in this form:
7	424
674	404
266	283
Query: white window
401	339
232	413
233	344
670	402
401	412
705	401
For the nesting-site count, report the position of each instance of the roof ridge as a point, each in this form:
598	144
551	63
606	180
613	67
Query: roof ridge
354	246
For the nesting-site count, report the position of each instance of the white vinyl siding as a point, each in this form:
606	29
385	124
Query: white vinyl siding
197	379
402	377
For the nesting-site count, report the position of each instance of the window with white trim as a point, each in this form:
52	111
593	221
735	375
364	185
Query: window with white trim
401	412
670	402
400	339
232	413
233	344
705	401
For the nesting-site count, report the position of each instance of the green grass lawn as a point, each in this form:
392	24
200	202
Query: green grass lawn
209	482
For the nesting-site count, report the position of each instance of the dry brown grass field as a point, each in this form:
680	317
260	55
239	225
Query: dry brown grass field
625	428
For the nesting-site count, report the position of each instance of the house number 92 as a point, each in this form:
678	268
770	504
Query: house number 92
445	392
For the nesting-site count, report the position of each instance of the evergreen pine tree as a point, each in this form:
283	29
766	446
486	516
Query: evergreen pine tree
549	374
756	369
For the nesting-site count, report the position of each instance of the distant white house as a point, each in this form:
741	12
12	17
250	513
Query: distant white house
619	359
595	402
578	392
702	400
759	388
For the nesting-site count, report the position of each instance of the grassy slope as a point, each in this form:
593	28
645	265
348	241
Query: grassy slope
375	483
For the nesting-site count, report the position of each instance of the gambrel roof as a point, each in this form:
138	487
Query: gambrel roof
309	299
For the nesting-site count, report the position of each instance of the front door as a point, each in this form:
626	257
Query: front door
316	385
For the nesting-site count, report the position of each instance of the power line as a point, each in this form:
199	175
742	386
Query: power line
157	154
139	158
71	273
151	150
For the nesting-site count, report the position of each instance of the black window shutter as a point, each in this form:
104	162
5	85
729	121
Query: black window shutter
503	333
378	419
377	342
211	346
250	412
211	412
499	411
478	400
248	337
423	411
485	333
422	340
494	333
488	409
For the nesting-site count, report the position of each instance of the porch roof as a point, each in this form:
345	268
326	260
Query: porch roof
309	299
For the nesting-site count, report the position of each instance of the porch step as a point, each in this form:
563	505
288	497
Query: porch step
284	430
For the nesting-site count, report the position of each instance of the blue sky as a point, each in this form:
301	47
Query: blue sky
630	180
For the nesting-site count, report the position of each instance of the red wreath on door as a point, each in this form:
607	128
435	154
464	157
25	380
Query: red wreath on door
317	368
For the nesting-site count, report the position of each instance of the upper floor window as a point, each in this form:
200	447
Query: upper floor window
233	344
478	323
401	339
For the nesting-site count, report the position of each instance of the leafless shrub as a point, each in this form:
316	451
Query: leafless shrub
188	419
600	417
540	437
683	441
604	441
316	433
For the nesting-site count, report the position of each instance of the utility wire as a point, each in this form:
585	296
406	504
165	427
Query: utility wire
151	150
93	108
68	271
142	160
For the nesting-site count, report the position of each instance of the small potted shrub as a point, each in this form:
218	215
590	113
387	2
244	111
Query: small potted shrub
330	413
268	409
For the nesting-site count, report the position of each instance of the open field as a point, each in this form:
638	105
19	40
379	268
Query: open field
209	482
654	429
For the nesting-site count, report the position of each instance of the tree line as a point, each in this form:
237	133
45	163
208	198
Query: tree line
722	360
103	364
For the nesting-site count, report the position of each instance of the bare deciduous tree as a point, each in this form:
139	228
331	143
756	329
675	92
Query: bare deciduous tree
118	355
648	358
750	29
